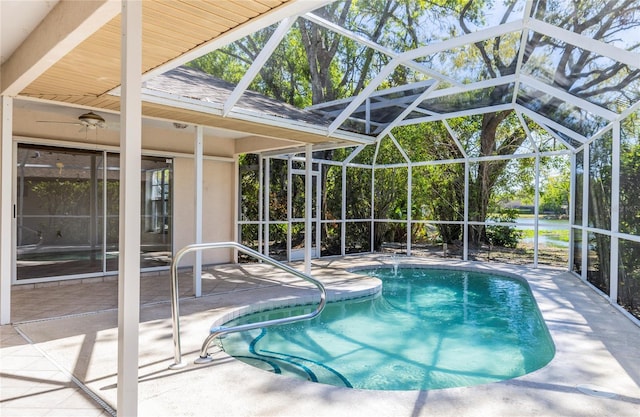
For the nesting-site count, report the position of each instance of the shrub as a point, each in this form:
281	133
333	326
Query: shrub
507	236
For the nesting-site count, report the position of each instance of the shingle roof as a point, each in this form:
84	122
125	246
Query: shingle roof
196	84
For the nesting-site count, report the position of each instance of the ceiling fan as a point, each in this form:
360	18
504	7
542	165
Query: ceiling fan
92	120
89	120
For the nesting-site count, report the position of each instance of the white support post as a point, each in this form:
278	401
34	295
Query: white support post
308	210
585	211
261	200
465	232
536	211
198	156
372	232
130	177
317	219
236	206
409	203
289	204
267	194
367	117
572	214
6	208
343	212
373	204
105	225
615	213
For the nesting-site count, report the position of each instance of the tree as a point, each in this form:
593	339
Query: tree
629	270
314	65
555	197
574	70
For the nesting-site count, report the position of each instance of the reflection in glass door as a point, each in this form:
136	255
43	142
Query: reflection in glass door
155	239
111	204
56	212
67	212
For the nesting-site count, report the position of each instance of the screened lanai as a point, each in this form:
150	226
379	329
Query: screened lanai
479	130
500	131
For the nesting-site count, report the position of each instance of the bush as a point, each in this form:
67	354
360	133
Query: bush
506	236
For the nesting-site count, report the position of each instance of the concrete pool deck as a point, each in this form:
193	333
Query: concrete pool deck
68	333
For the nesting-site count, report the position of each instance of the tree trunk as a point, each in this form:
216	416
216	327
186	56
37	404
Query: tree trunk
481	187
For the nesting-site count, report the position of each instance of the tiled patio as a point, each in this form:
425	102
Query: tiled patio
63	333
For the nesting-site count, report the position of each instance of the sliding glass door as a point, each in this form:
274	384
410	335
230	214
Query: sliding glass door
67	212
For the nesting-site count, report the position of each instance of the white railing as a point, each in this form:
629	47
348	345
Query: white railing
175	308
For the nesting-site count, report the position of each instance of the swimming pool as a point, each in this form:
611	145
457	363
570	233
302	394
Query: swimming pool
428	329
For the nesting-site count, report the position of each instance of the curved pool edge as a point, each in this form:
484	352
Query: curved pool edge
347	266
343	282
375	269
345	286
564	302
504	270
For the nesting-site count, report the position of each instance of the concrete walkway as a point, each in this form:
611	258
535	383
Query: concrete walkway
595	372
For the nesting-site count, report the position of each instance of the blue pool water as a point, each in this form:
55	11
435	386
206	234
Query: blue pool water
428	329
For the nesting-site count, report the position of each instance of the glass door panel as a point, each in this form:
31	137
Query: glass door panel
57	206
155	222
68	212
112	209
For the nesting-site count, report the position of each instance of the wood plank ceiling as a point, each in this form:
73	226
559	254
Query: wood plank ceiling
171	28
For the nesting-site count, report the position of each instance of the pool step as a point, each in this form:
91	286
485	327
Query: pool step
285	364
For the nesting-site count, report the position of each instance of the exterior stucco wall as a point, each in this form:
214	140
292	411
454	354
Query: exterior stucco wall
218	201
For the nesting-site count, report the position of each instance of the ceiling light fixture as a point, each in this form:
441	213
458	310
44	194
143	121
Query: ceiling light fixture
92	120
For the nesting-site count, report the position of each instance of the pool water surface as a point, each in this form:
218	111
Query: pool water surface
428	329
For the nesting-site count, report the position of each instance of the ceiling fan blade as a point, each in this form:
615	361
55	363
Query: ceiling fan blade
59	122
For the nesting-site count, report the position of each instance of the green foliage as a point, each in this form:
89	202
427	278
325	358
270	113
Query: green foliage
507	236
629	273
388	153
358	203
468	131
516	181
249	235
365	156
600	165
284	77
331	192
278	190
555	185
630	176
60	198
390	203
438	194
249	187
427	142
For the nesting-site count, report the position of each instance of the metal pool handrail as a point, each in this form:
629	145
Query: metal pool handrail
175	308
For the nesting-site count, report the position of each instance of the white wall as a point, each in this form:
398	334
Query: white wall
218	203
